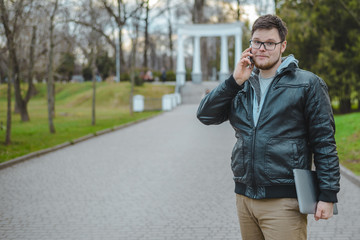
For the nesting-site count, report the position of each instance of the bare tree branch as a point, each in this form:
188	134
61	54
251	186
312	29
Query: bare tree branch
101	32
353	15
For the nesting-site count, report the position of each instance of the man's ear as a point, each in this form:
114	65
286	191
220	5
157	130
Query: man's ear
283	46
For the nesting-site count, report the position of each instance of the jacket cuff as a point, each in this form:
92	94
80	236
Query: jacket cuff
231	83
328	196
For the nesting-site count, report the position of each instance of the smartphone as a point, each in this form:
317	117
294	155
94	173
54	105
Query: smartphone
251	60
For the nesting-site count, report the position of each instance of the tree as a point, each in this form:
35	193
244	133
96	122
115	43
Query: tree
12	29
67	65
31	90
8	112
157	39
120	17
94	38
105	64
119	14
325	37
134	40
50	80
170	34
91	39
198	11
267	6
146	33
199	17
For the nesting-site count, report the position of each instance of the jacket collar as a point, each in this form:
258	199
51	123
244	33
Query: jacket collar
288	63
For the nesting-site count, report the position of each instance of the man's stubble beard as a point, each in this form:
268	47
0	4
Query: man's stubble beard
269	65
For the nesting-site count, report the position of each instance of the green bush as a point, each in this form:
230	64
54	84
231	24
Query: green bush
138	81
125	77
87	73
170	76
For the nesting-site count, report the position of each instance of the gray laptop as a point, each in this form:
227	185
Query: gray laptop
307	191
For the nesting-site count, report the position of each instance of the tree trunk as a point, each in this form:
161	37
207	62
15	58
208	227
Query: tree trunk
94	72
146	46
198	11
31	88
170	33
198	17
122	58
22	106
120	27
120	22
238	12
10	37
50	83
132	79
20	103
8	117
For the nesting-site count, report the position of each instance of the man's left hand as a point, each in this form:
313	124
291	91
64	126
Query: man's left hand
324	210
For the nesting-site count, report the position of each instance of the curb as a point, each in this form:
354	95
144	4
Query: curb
350	175
69	143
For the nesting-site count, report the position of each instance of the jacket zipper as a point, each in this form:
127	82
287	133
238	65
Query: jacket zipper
254	184
254	128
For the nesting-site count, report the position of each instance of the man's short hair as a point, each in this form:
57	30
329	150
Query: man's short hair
269	22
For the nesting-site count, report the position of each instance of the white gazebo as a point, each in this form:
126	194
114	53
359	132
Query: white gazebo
206	30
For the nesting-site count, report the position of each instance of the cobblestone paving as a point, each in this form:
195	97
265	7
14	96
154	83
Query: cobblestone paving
165	178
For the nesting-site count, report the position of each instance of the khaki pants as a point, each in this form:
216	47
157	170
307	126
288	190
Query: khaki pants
271	219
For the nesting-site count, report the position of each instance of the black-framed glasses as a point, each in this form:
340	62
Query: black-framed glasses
267	45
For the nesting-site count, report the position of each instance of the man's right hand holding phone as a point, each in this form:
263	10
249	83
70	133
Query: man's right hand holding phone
244	67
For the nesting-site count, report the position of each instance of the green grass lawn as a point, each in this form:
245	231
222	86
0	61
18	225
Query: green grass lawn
73	114
348	140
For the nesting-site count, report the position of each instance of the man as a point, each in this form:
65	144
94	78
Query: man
282	116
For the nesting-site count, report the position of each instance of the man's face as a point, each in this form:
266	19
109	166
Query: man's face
266	59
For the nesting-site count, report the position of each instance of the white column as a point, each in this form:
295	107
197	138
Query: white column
224	65
238	48
196	72
180	63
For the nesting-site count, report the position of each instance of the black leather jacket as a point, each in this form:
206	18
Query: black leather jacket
295	122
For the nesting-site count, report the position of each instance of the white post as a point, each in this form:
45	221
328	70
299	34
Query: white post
138	103
196	72
238	48
166	102
180	63
224	65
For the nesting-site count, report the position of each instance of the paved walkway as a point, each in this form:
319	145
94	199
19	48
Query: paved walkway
165	178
